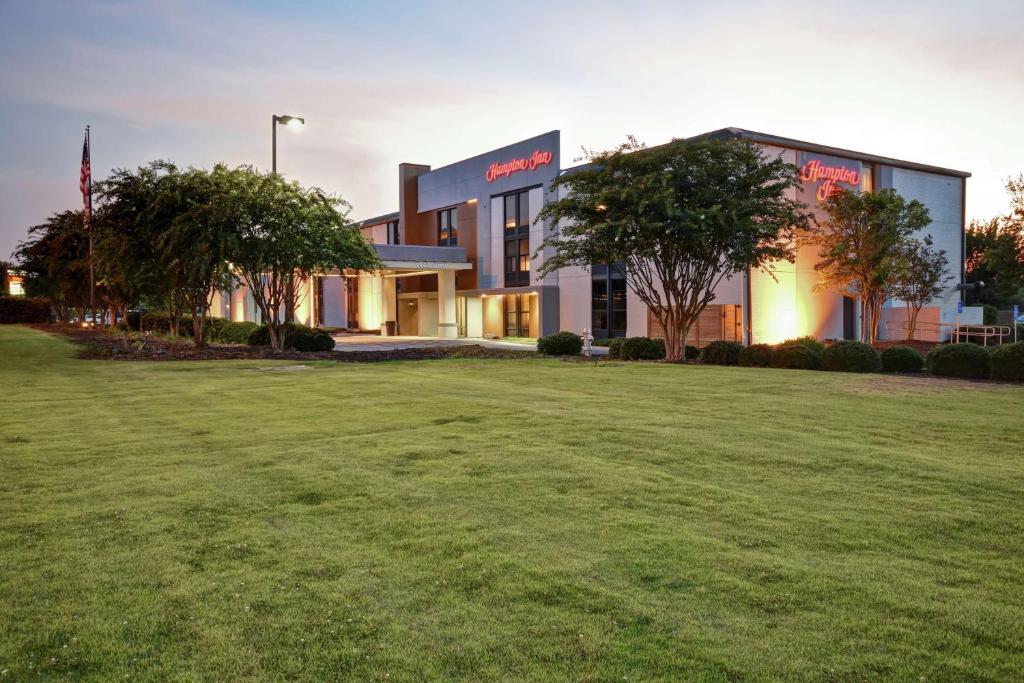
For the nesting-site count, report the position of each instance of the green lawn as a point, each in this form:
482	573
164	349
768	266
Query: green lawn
481	520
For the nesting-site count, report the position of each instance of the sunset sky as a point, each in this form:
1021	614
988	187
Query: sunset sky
434	82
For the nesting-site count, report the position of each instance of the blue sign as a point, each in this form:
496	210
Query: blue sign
1016	312
959	307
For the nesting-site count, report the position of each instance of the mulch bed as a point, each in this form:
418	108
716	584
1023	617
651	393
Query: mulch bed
104	345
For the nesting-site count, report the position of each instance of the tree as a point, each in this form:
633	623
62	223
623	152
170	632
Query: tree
995	253
681	216
55	260
283	231
199	242
920	273
860	245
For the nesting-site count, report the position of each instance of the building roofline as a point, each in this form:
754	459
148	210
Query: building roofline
492	151
377	220
779	141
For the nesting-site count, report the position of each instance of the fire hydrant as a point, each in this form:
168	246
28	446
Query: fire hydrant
587	341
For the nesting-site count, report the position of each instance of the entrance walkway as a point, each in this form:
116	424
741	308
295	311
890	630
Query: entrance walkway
373	342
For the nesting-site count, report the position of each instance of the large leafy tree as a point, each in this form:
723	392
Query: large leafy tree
995	253
55	260
681	216
285	231
920	273
860	244
128	260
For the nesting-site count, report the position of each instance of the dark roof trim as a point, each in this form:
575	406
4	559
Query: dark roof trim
378	220
779	141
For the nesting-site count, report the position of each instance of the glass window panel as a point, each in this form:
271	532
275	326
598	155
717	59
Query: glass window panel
510	248
618	294
524	208
619	321
524	247
600	319
524	263
510	211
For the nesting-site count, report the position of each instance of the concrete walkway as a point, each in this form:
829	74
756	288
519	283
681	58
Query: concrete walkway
373	342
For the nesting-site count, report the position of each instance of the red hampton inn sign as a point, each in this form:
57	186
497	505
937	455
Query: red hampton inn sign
538	158
829	176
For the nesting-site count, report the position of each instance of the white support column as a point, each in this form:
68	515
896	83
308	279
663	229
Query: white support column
389	302
446	323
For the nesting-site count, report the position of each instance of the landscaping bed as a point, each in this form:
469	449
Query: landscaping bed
106	345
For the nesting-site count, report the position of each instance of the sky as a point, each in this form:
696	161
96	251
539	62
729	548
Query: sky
384	82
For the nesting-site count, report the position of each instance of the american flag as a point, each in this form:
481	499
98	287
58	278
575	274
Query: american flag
85	181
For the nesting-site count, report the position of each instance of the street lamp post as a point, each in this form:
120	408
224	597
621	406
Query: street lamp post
286	120
291	122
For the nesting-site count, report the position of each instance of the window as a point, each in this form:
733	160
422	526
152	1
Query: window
608	301
517	315
393	232
517	239
447	228
867	178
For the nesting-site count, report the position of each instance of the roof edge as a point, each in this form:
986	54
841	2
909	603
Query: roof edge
805	146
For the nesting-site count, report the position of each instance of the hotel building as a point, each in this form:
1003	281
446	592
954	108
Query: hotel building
457	257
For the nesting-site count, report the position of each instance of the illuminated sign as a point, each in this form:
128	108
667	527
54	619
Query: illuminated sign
507	168
829	178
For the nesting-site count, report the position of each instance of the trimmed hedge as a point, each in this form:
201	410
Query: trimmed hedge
642	348
236	333
17	309
851	356
722	353
1006	362
296	336
214	326
756	356
902	359
310	340
968	361
796	357
808	342
560	344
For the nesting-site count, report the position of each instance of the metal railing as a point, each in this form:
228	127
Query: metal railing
956	331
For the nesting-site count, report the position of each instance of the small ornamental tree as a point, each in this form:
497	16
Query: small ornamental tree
285	231
860	245
681	216
920	273
200	239
55	260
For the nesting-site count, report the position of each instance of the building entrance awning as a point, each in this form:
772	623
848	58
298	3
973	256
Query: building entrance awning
407	259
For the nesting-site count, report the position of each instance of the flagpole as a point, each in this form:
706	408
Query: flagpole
92	272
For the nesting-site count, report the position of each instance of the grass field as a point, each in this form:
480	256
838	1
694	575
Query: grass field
482	520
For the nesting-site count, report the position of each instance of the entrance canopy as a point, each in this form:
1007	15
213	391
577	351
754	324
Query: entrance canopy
411	259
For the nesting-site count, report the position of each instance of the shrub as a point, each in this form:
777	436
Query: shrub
808	342
691	352
796	357
1007	362
237	333
560	344
969	361
260	336
851	356
602	342
214	326
17	309
902	359
989	314
756	356
307	339
615	347
642	348
722	353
